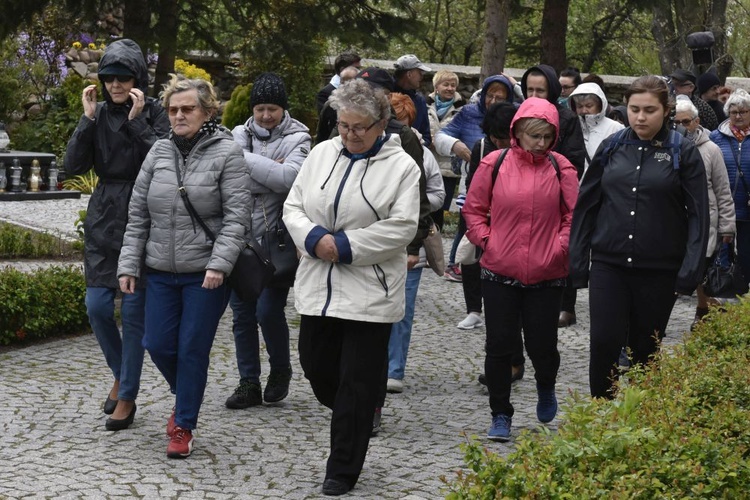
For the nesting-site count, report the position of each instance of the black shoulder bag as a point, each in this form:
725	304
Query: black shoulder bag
253	269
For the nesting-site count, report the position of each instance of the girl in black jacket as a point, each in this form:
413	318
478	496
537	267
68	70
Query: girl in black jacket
641	223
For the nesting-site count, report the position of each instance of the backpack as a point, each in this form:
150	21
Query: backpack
674	142
500	159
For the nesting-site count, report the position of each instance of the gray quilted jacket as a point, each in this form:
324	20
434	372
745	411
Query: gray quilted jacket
218	184
273	159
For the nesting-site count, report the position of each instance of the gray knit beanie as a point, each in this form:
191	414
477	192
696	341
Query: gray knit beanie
269	88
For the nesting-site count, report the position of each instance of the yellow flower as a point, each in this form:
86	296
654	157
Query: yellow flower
102	46
77	45
92	46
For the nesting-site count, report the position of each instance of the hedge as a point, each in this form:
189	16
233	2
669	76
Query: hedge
677	429
44	303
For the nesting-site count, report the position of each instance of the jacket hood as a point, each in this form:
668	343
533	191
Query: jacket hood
623	110
590	88
489	81
127	53
700	136
553	84
534	107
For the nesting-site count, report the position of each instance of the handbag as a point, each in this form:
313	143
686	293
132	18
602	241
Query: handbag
433	249
724	279
279	246
252	271
467	252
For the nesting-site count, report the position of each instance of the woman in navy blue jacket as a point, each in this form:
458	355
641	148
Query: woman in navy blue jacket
731	136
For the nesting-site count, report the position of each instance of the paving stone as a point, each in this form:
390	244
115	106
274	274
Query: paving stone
53	443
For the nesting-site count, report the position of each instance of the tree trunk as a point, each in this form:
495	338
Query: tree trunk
495	38
166	33
664	32
718	25
137	23
554	31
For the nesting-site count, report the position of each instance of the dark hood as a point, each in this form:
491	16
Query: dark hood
553	84
127	53
489	81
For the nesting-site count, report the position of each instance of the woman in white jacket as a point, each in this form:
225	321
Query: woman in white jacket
352	210
722	225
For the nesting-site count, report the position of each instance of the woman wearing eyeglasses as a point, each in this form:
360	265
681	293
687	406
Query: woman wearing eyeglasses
640	231
721	206
199	165
519	214
352	211
113	137
731	137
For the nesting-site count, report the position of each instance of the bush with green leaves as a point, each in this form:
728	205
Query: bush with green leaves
677	429
237	110
20	243
45	303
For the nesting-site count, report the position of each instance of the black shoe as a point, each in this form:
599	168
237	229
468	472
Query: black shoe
566	319
517	373
246	394
277	385
109	406
334	487
482	379
117	425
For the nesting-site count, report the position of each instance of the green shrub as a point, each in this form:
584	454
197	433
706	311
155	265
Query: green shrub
18	242
237	109
677	429
44	303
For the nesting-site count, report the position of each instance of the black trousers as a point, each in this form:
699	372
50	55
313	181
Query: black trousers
627	307
569	298
536	311
343	360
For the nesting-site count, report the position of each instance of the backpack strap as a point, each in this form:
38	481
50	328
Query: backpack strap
496	168
675	142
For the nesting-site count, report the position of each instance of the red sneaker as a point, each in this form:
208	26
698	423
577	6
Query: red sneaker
181	443
170	424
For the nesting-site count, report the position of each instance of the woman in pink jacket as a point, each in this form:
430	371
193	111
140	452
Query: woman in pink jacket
529	197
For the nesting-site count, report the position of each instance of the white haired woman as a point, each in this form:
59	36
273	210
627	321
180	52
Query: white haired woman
731	137
352	211
721	227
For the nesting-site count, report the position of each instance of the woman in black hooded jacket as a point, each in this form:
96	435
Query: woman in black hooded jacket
113	137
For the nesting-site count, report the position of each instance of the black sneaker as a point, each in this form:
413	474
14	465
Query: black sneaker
246	394
277	385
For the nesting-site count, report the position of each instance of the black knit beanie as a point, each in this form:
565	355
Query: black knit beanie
269	88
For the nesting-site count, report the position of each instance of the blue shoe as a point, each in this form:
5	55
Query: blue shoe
546	405
500	428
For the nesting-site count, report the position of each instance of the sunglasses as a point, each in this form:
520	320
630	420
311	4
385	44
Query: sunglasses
119	78
186	110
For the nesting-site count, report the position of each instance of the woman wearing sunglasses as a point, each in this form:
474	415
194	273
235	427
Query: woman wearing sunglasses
113	137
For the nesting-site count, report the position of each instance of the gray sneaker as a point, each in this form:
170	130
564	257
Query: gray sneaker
246	394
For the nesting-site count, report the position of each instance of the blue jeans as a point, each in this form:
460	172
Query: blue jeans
181	322
398	345
268	312
124	355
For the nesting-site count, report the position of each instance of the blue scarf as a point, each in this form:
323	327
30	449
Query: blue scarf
442	107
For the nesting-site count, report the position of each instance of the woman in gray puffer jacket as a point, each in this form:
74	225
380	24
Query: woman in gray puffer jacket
185	291
274	145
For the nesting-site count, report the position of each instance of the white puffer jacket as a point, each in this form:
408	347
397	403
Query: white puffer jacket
371	207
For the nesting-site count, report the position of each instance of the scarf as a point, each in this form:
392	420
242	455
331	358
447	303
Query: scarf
185	146
442	107
738	133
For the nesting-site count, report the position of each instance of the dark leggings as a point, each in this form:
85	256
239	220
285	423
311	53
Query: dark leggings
627	307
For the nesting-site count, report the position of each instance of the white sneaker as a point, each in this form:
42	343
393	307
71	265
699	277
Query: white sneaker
473	320
395	385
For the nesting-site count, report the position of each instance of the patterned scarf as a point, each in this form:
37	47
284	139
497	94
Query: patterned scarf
739	134
185	146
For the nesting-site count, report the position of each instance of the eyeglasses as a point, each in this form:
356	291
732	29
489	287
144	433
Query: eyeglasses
357	129
540	137
493	98
568	87
119	78
685	122
742	112
186	110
